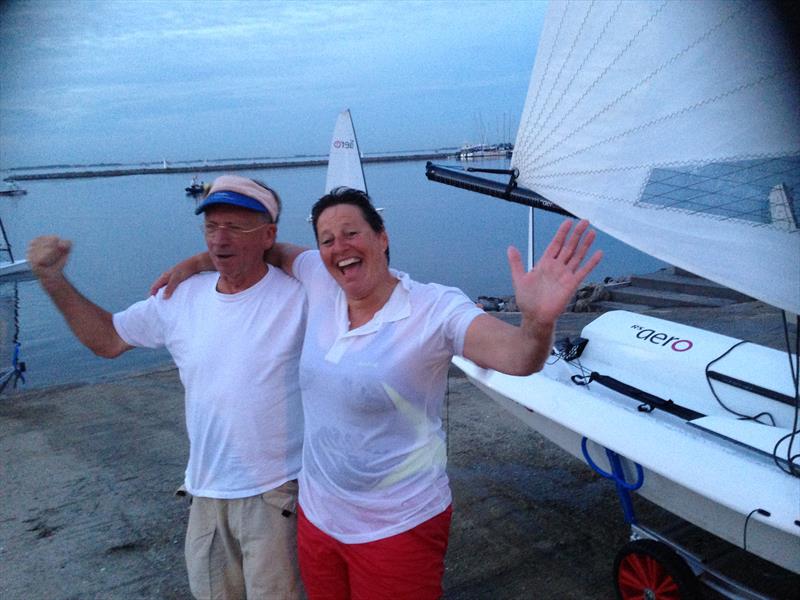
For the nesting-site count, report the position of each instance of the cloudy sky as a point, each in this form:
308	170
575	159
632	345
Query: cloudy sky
87	81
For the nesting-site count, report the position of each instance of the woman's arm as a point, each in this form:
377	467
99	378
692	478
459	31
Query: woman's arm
542	295
281	255
173	277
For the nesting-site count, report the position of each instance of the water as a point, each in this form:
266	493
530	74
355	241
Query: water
127	230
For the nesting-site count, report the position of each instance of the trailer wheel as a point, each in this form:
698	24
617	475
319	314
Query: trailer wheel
650	570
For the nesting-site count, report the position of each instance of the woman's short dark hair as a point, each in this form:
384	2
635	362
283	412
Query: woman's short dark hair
346	195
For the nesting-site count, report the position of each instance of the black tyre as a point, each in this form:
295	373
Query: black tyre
650	570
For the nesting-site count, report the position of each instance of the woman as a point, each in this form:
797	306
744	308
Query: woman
374	497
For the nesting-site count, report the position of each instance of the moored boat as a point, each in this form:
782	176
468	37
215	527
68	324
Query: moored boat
482	151
195	188
13	190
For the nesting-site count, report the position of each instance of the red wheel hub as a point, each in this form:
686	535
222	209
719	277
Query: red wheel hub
642	577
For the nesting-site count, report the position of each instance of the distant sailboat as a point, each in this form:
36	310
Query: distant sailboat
674	127
344	158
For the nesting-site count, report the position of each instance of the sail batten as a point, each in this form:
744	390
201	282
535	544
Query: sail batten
674	127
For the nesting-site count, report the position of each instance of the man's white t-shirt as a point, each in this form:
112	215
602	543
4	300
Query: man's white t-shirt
237	356
374	450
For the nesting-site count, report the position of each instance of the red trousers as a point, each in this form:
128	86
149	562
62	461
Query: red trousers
406	566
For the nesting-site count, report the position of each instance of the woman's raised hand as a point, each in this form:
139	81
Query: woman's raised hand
542	293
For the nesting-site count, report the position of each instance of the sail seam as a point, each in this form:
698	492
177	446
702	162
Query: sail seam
566	60
672	163
739	88
529	115
662	67
597	80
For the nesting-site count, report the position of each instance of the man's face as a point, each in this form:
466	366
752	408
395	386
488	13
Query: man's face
237	239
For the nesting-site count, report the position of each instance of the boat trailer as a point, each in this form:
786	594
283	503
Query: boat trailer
655	565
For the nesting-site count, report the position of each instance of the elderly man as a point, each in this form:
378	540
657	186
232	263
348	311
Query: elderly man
236	337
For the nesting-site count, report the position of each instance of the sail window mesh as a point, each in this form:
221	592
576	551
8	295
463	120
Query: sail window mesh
742	190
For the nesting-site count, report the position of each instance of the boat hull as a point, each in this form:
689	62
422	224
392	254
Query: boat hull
707	479
13	268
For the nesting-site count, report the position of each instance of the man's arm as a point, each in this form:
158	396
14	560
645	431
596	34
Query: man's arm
92	325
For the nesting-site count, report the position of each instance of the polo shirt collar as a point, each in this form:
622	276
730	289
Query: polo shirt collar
398	307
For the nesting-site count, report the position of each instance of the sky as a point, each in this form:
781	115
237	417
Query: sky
133	81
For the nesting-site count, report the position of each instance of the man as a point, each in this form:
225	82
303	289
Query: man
236	336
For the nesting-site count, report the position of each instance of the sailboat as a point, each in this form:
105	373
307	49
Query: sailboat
10	266
344	158
674	127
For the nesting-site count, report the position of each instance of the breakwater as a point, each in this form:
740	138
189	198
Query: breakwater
238	166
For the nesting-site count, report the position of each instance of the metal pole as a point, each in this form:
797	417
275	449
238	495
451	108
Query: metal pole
530	238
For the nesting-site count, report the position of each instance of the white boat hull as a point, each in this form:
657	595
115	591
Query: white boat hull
13	268
705	478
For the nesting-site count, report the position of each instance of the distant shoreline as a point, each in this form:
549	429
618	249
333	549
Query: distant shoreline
241	166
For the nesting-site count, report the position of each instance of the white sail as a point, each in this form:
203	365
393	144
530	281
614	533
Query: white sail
674	127
344	160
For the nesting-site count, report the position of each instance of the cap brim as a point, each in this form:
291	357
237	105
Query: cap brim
232	198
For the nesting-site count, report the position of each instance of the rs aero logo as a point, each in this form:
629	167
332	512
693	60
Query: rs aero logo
344	144
661	339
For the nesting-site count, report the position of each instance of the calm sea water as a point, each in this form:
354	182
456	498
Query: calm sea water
127	230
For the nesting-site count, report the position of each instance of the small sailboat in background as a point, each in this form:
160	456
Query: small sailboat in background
344	158
674	127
